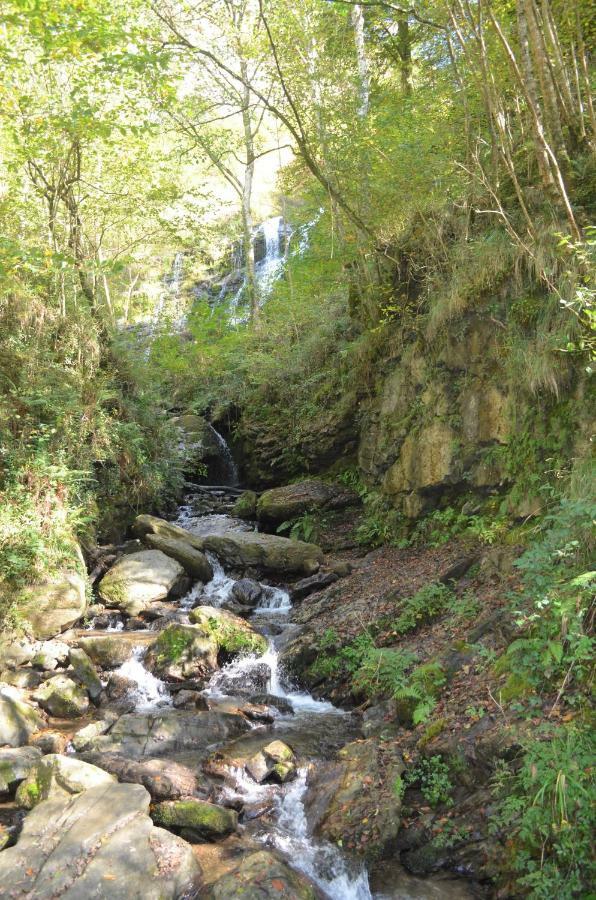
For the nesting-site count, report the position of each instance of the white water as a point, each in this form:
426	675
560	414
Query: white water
150	692
267	270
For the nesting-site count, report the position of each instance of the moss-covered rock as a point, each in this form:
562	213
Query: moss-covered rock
18	719
85	672
182	651
62	697
207	820
139	579
52	607
15	765
232	634
262	876
275	762
245	506
194	562
110	650
55	776
270	552
281	504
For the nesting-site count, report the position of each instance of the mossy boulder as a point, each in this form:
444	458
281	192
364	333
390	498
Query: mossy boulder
194	562
85	672
182	651
55	776
53	606
145	525
281	504
15	765
62	697
206	821
269	552
138	580
111	649
232	634
275	762
245	506
18	719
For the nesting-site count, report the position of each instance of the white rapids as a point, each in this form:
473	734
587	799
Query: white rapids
150	692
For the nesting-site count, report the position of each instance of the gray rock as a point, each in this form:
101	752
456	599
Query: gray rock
262	875
153	525
281	504
139	579
84	737
18	719
49	741
54	606
55	776
136	735
112	649
15	765
22	678
15	652
163	778
275	762
62	697
195	562
182	651
265	551
50	655
310	585
85	672
247	592
247	682
101	844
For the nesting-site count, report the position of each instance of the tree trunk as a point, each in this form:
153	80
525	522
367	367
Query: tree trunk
405	53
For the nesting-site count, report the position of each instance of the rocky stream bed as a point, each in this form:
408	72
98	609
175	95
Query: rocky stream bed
161	751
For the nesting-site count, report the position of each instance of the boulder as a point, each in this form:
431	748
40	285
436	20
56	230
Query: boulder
138	579
163	778
49	741
18	719
182	651
247	592
62	697
84	737
50	654
137	735
282	504
231	633
15	652
85	672
145	525
265	551
245	506
311	585
280	703
205	821
55	776
22	678
55	605
194	562
275	762
246	682
262	876
353	801
100	843
15	765
111	649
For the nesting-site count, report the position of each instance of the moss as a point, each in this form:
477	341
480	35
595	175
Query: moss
232	638
515	687
431	731
171	644
204	818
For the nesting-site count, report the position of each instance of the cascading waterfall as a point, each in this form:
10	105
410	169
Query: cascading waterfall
150	692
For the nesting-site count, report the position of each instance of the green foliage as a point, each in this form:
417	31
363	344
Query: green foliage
546	812
423	606
443	525
304	528
432	776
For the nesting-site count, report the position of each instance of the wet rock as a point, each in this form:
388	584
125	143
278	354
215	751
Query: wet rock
256	678
61	696
275	762
153	525
182	651
232	634
144	734
111	650
55	605
247	592
245	506
83	846
380	720
280	703
49	741
187	699
50	655
163	778
18	719
284	503
265	551
85	672
353	800
258	712
138	579
260	876
206	821
15	765
194	562
119	687
55	776
312	584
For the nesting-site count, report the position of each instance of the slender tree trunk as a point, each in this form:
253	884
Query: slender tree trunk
363	63
405	54
249	172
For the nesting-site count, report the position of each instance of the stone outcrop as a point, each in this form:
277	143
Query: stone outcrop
57	777
163	778
192	560
199	819
181	652
100	843
139	579
85	672
15	765
18	719
153	525
109	650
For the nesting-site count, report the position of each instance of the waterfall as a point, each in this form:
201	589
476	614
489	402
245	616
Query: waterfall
228	473
268	269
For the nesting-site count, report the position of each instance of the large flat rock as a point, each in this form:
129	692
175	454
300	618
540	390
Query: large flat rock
139	579
99	844
53	606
